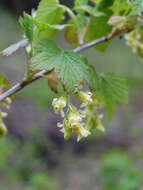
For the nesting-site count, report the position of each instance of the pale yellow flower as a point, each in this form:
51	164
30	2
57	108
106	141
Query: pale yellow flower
81	131
74	118
59	103
65	129
85	97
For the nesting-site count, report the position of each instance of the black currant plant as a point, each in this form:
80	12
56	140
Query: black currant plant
91	24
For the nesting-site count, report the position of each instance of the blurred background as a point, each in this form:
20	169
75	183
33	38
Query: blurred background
34	155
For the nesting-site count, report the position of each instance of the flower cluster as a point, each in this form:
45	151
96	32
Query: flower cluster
134	39
81	121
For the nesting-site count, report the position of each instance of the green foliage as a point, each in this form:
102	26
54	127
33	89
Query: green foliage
118	172
105	4
70	68
47	26
81	2
91	10
137	7
121	7
93	78
103	29
49	13
28	26
113	88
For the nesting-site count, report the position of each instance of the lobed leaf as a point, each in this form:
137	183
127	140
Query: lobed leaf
69	66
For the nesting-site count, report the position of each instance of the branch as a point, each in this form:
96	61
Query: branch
90	44
20	86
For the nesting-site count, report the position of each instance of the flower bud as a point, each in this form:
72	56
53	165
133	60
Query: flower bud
67	133
3	129
81	131
65	129
59	103
100	128
85	97
6	102
74	118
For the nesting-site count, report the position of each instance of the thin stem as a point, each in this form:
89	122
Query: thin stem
28	69
82	39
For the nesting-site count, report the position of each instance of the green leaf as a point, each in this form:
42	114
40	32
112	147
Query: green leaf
82	24
80	3
69	66
4	82
137	7
27	25
113	88
118	85
121	7
13	48
71	35
92	78
104	4
91	10
96	1
75	33
49	13
99	28
46	26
